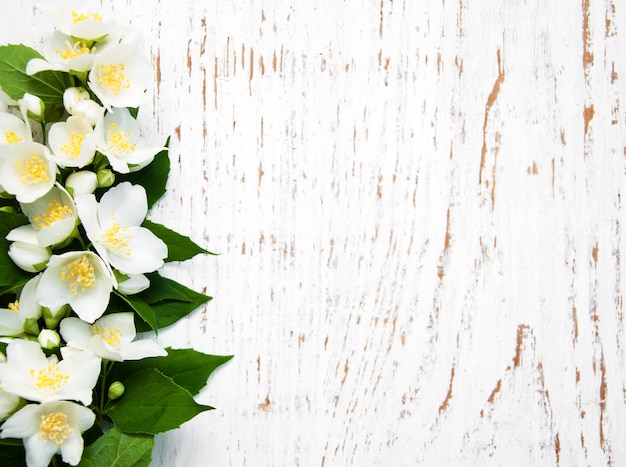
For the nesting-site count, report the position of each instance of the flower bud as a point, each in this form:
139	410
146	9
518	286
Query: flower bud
134	284
34	107
116	390
83	182
29	257
78	103
106	178
53	316
31	327
49	339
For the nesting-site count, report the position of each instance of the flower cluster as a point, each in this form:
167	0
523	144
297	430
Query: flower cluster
79	259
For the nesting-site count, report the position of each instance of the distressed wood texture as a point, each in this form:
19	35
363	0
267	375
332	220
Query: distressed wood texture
418	206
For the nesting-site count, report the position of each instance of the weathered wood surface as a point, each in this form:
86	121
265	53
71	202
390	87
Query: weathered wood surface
418	206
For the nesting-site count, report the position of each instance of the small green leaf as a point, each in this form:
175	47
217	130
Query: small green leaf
153	404
142	308
10	274
187	367
117	448
47	85
179	247
167	311
162	288
153	177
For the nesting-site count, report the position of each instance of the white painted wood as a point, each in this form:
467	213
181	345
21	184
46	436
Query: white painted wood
418	206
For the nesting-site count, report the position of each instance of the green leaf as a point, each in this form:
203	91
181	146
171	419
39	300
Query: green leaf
179	247
153	177
10	274
168	310
142	308
117	448
153	404
187	367
47	85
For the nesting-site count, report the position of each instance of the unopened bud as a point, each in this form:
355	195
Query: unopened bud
33	107
83	182
106	178
116	390
49	339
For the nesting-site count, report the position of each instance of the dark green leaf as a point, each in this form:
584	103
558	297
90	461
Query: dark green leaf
12	453
187	367
162	288
47	85
168	311
117	448
142	308
153	404
153	177
179	247
10	274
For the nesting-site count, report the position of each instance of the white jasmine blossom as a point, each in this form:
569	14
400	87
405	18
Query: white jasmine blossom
80	279
76	19
31	375
21	313
53	216
72	142
12	129
48	429
110	337
78	103
26	170
117	137
114	227
120	77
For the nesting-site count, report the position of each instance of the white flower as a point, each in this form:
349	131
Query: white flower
8	403
120	77
110	338
26	170
113	226
31	375
76	19
78	103
22	313
12	129
53	216
63	53
25	250
80	279
83	182
117	137
72	142
48	429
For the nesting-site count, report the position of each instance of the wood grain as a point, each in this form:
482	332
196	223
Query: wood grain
418	206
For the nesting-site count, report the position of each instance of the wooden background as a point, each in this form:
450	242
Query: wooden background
419	209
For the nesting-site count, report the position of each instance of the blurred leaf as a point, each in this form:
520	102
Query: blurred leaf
117	448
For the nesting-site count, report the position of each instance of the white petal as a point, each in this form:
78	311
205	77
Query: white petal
23	423
127	203
147	253
142	349
76	332
38	453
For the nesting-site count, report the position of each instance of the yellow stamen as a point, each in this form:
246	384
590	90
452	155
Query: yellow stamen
55	212
14	306
77	49
80	274
78	17
112	78
119	139
11	137
72	147
110	336
54	427
116	239
49	377
33	171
